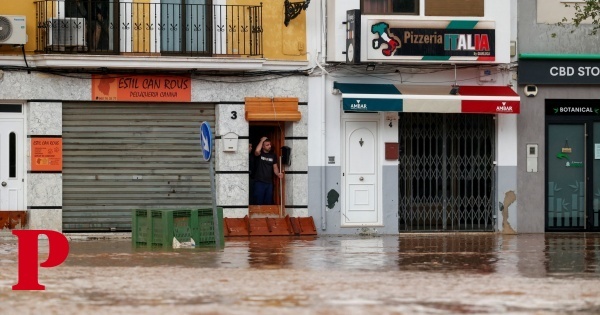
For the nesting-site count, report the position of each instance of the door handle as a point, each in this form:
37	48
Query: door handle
361	178
3	184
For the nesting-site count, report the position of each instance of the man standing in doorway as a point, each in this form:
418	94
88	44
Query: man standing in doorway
266	166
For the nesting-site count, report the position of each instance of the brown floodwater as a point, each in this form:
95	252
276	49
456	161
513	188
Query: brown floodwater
469	273
529	255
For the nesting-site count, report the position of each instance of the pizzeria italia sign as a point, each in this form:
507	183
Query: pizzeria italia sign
390	40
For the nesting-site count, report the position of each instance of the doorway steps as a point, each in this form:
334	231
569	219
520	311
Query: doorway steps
269	226
13	220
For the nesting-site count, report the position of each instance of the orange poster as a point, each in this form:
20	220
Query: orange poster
141	88
46	154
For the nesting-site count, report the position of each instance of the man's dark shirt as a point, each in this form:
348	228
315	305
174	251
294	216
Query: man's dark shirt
264	167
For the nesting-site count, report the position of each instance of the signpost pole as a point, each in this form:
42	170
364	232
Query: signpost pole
206	142
214	205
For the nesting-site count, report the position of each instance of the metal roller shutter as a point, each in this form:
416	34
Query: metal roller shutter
120	157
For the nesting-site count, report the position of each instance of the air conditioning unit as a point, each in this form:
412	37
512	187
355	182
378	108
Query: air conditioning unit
66	32
12	30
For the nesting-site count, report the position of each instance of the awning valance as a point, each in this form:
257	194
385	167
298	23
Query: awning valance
272	109
428	98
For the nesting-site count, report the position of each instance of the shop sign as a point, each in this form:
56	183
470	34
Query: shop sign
564	109
372	105
559	72
430	40
141	88
46	154
568	162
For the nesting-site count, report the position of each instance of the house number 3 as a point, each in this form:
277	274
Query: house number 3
233	115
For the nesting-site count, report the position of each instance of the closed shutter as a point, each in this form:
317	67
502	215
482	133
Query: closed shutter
121	157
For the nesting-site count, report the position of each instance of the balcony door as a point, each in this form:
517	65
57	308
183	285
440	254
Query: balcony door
185	26
87	23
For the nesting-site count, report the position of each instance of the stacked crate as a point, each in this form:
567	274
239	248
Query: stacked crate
156	228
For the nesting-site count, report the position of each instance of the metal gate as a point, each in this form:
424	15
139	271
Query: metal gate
120	157
446	172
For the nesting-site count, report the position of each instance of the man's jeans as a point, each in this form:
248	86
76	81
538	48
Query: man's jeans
263	193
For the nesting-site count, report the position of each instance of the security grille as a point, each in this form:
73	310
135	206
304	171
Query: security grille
446	172
121	157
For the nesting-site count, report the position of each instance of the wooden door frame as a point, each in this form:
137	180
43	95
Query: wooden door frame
277	141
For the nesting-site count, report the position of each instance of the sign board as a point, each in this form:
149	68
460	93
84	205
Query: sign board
559	72
557	107
392	40
142	88
46	154
206	140
353	36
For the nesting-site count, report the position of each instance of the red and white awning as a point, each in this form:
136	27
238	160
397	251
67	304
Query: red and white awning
429	99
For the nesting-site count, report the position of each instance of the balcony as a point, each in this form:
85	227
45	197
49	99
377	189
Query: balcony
148	29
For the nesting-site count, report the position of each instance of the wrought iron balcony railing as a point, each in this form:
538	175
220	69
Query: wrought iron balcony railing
111	27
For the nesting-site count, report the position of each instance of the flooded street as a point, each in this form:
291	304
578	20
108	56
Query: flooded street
407	274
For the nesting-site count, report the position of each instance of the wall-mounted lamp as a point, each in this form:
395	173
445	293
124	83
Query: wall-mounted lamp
455	89
293	9
371	67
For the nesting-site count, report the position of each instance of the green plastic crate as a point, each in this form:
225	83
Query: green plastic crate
156	228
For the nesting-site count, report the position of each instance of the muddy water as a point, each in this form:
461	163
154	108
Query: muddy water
408	274
533	255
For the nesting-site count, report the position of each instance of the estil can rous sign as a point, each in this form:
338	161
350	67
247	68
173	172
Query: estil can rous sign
142	88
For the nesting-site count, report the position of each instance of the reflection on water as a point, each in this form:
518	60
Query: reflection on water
265	253
464	252
530	255
573	253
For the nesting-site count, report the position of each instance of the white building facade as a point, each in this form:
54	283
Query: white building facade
414	121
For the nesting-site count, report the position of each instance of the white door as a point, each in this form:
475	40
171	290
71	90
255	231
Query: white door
11	164
360	173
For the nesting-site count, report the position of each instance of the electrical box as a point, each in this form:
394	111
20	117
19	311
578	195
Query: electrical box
391	151
532	158
513	48
230	142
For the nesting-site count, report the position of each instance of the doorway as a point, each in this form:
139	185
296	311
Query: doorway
274	131
12	163
573	165
361	174
446	172
192	37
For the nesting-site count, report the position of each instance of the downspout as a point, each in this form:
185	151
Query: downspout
323	111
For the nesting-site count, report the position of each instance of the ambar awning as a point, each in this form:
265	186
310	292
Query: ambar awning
428	98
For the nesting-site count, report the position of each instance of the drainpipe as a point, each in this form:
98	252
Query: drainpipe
323	99
323	148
